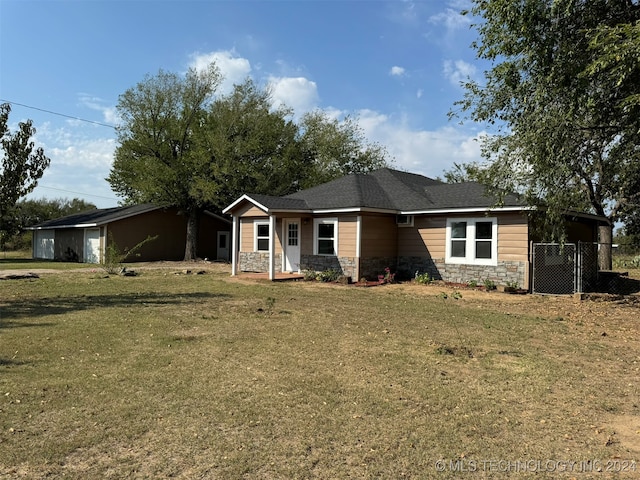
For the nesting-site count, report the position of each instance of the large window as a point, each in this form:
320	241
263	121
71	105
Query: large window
472	241
261	236
325	236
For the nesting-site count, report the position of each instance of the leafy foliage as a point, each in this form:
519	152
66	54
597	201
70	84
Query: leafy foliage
560	99
22	165
182	145
31	212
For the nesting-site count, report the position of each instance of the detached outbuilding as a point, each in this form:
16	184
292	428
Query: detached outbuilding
84	237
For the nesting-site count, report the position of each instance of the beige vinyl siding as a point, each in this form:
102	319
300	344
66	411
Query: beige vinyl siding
513	238
379	238
347	236
426	238
247	234
250	210
306	237
278	239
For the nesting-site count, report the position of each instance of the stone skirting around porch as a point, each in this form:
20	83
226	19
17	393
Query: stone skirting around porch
319	263
257	262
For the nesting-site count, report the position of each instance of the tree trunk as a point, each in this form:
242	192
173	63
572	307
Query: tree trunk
605	240
191	244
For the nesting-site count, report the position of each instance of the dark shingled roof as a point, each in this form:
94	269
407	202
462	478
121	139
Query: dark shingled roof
386	189
95	217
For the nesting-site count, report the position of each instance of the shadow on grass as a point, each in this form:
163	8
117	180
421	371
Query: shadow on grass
4	362
60	306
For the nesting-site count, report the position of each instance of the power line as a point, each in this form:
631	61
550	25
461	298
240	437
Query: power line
78	193
59	114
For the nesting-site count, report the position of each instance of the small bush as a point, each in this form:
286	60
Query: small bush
489	284
422	278
330	275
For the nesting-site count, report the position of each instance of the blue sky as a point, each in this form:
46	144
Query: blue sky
395	65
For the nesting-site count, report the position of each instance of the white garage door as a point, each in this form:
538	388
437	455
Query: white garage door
92	245
44	243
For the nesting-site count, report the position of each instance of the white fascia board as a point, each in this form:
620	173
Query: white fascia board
60	227
467	210
287	210
352	210
247	198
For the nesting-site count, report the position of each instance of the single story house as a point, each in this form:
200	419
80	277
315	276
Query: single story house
83	237
360	224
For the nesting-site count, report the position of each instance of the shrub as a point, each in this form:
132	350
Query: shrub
330	275
489	284
422	278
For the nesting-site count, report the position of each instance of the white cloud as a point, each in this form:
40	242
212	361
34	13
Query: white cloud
109	113
451	18
80	162
396	71
299	93
426	152
457	71
419	93
234	69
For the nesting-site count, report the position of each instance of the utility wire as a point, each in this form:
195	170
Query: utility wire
59	114
77	193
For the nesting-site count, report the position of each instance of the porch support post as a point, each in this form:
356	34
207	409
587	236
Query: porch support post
358	247
272	245
234	246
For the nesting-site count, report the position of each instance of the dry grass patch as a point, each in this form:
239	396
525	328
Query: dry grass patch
204	376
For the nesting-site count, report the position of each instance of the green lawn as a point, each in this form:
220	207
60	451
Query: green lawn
203	376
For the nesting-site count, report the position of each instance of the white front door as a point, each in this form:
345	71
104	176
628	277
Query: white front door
292	244
223	246
92	245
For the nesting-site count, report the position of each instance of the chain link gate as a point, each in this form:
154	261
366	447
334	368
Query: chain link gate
564	269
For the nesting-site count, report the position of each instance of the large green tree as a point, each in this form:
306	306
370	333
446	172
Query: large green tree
251	146
158	159
565	133
180	144
336	148
22	165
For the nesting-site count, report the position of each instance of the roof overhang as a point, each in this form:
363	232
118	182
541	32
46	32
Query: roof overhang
436	211
60	227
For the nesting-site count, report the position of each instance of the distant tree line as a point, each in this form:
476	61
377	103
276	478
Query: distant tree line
27	213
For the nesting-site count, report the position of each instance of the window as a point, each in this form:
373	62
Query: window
292	237
325	233
404	220
261	231
472	241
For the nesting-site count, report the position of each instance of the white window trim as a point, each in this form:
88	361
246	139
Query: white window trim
408	223
318	221
256	224
470	250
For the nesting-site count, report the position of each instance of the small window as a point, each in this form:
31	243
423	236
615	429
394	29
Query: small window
472	241
404	220
459	239
326	236
261	230
484	236
292	239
